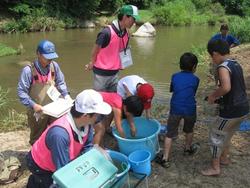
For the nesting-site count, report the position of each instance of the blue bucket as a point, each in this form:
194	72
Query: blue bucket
140	162
121	162
146	137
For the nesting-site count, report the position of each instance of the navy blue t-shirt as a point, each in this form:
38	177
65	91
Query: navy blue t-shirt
184	85
234	103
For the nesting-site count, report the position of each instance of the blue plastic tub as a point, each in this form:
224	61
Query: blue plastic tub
140	162
121	162
146	137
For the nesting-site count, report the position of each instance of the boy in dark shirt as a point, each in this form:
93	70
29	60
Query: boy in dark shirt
233	107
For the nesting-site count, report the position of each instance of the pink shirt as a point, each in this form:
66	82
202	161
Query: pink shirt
113	99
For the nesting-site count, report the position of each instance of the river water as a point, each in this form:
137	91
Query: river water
155	59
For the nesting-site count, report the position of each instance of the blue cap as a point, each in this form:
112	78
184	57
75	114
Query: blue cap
47	49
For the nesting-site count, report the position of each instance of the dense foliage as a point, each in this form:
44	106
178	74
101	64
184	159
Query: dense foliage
44	15
240	28
187	12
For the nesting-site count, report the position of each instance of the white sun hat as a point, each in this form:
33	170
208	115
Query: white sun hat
90	101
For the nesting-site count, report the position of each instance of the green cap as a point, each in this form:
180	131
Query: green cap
130	10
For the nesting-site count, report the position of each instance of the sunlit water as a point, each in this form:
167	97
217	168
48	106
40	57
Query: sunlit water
155	59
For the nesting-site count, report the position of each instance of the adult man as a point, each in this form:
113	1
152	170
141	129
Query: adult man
65	138
36	80
232	42
111	42
224	29
135	85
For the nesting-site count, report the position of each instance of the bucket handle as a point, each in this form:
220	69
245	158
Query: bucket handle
152	144
124	167
108	182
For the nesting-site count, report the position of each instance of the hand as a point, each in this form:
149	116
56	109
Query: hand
37	108
211	99
89	66
121	133
133	131
69	99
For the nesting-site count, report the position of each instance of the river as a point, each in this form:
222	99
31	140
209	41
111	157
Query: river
155	59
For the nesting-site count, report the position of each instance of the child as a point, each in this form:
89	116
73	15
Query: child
43	75
233	107
135	85
183	106
128	108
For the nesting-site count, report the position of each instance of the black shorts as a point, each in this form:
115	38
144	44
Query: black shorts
174	121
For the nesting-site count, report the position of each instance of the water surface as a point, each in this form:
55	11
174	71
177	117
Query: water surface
155	59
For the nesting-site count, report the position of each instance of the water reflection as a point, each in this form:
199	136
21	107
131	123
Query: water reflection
155	59
145	45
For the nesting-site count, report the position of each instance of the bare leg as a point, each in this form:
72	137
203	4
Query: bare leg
167	148
224	158
214	170
188	140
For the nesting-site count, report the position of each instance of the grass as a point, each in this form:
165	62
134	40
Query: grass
147	16
6	50
13	121
10	119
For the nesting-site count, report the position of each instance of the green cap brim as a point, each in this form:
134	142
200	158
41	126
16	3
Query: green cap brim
136	17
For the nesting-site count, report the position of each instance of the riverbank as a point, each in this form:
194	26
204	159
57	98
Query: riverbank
184	171
6	50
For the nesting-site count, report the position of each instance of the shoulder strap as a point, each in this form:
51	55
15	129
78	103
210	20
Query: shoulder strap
34	74
52	69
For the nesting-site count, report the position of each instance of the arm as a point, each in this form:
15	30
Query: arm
59	80
148	113
235	41
130	119
118	121
89	143
99	133
198	82
23	88
102	41
127	92
57	140
225	85
96	49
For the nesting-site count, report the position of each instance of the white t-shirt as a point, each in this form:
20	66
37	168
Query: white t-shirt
131	83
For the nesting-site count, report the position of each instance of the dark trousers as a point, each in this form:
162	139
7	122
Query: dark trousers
39	178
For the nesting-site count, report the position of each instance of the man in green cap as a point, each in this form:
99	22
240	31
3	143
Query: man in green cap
111	52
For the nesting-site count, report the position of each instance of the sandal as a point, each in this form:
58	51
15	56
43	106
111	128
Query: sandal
164	163
194	149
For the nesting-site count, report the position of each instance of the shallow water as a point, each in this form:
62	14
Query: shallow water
155	59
